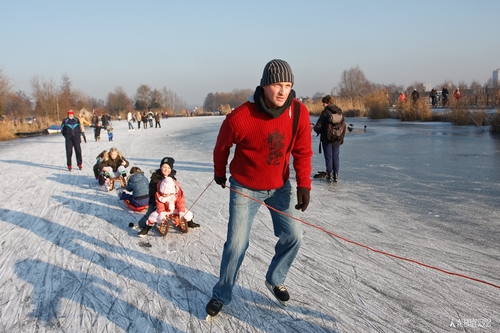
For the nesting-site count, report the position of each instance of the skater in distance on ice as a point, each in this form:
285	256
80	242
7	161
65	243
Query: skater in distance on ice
72	131
266	130
331	136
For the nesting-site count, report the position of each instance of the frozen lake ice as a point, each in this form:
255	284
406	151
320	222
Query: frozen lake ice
424	191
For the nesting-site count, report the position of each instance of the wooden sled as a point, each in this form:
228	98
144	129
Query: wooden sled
174	219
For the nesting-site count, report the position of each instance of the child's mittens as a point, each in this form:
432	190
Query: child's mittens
162	199
163	216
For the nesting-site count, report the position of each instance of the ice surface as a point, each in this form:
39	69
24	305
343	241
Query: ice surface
424	191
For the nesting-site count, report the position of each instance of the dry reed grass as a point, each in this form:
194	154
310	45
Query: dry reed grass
495	123
414	111
377	104
9	128
461	115
350	107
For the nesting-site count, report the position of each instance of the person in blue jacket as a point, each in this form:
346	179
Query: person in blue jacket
138	185
72	132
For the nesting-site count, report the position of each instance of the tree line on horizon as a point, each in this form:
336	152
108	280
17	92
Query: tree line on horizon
52	101
355	86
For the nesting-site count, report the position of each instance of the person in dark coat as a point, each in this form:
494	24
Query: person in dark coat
166	169
433	96
444	93
104	121
72	131
415	95
331	150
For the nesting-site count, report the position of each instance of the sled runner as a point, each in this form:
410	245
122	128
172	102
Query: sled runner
174	219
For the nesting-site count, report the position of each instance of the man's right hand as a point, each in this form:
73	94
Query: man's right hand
221	180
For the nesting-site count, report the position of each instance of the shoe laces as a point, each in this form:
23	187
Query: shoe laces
216	303
281	287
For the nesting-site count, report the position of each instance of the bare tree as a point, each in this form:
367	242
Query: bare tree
143	97
156	99
46	97
66	101
18	104
353	83
214	102
209	102
171	101
4	90
119	101
318	96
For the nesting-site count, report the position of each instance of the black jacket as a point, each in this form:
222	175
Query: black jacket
155	179
71	128
321	127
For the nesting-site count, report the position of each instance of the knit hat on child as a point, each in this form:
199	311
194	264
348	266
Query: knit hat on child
167	186
168	160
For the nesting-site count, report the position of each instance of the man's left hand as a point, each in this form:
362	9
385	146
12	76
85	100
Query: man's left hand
303	196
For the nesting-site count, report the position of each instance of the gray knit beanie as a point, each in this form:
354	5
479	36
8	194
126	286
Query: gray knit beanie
276	71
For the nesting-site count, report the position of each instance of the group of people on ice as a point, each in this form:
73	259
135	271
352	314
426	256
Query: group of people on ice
162	195
270	129
145	119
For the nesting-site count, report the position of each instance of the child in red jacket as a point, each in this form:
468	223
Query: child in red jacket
169	201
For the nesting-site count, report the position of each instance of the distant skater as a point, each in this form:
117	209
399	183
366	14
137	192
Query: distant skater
72	132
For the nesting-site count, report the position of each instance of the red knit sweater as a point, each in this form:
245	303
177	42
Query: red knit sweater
260	160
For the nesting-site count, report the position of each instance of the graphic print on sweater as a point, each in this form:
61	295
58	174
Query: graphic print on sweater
275	145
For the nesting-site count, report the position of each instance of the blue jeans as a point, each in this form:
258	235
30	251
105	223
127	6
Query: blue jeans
331	151
242	211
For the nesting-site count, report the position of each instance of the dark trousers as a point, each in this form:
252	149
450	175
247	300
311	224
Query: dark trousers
331	151
142	222
73	143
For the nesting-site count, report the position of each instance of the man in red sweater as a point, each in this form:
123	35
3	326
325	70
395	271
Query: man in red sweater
265	130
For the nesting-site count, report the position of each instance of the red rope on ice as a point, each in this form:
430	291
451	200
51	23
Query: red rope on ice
359	244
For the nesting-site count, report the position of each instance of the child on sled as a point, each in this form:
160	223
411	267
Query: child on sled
138	186
113	168
170	201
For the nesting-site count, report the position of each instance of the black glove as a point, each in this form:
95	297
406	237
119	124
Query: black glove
220	180
303	196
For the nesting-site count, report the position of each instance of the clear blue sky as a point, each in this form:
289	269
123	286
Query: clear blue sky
197	47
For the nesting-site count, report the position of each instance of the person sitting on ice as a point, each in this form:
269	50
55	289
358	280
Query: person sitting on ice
138	186
113	168
169	201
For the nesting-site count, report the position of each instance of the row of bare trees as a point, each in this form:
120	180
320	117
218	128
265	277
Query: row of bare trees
355	87
216	102
51	101
354	84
